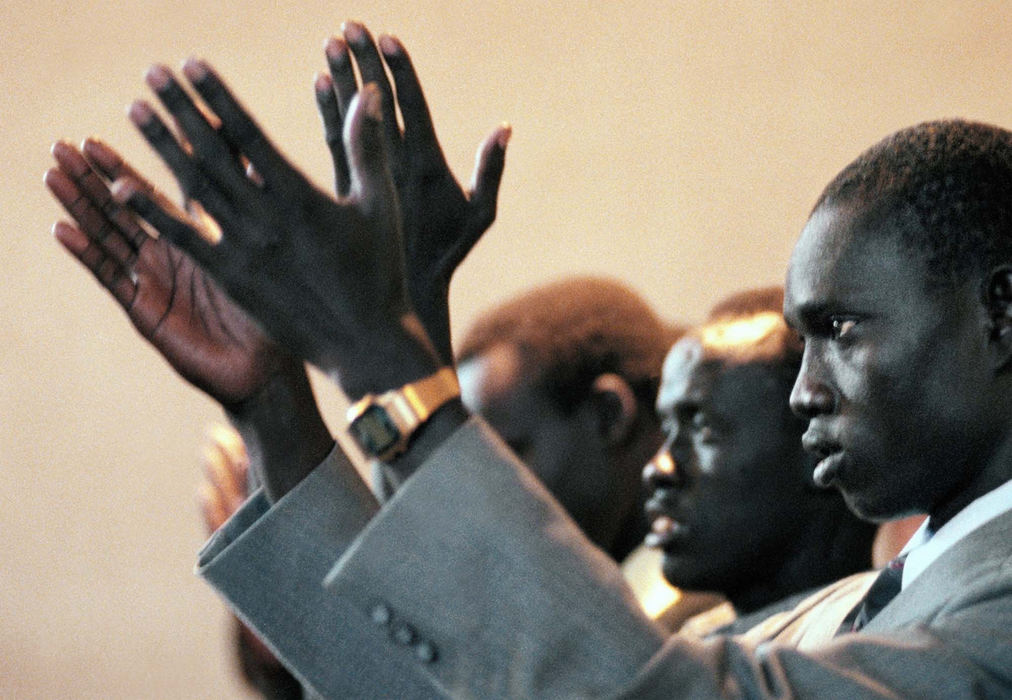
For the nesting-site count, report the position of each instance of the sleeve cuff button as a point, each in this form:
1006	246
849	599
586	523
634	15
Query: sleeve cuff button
425	652
380	614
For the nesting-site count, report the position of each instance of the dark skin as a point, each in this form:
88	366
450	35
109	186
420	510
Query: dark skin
906	387
441	222
176	307
324	277
587	456
292	428
731	439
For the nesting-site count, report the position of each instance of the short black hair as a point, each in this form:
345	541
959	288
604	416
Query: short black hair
571	331
948	184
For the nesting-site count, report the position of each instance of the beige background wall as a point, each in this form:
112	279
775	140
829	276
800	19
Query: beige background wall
677	146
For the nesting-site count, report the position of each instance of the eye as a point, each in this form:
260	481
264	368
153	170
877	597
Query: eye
842	326
701	426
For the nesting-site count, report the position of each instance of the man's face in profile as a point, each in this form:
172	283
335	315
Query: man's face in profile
733	500
894	373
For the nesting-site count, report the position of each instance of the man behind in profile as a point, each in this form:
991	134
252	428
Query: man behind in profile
567	374
733	506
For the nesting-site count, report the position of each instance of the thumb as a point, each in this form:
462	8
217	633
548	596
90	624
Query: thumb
371	182
487	175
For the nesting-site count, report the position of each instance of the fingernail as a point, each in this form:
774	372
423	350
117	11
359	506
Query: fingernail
140	113
70	237
158	77
389	45
69	159
91	146
353	32
98	152
335	49
370	96
322	83
195	70
59	148
505	133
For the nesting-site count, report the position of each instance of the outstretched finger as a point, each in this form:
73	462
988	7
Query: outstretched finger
109	272
170	223
371	182
112	166
418	130
104	159
330	115
245	136
193	181
85	196
342	71
203	138
371	70
488	169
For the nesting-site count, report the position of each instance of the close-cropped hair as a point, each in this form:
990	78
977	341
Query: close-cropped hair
945	187
570	332
762	300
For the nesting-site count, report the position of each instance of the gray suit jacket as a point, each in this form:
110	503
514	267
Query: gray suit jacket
472	582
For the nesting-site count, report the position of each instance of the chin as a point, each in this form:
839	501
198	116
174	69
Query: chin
682	572
875	508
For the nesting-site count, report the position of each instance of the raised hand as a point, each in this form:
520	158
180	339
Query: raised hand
206	338
186	316
441	222
325	278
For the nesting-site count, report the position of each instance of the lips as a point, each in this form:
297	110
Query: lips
665	528
830	453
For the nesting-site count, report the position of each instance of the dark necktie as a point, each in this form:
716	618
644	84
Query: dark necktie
883	590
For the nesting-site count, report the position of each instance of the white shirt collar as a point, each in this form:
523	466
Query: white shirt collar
924	548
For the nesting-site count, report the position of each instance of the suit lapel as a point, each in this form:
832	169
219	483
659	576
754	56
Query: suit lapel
969	564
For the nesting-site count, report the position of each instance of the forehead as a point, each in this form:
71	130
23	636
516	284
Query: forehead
489	377
682	374
846	257
696	373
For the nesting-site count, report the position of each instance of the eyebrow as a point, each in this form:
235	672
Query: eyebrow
806	314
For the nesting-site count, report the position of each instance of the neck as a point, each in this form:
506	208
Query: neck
996	471
833	546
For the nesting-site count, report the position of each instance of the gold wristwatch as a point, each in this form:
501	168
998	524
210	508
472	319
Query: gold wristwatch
382	424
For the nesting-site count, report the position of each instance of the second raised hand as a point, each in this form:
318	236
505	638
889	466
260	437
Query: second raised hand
441	222
324	277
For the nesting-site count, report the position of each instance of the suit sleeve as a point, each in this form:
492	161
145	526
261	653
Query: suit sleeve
269	562
479	576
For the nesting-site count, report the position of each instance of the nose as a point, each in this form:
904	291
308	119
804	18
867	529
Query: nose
812	395
661	470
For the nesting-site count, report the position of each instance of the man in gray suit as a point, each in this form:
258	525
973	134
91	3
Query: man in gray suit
905	380
471	581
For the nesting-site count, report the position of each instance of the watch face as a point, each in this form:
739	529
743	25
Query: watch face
374	431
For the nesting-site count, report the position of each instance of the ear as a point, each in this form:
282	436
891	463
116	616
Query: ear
615	407
998	300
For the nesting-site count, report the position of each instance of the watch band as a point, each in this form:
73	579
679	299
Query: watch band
382	424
